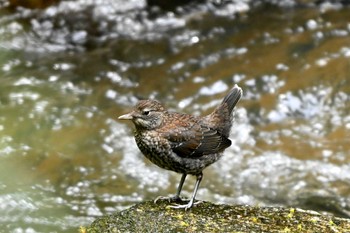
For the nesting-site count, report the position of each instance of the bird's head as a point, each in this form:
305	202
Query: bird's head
146	115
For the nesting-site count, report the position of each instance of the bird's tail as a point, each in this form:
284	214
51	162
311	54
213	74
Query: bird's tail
221	117
232	98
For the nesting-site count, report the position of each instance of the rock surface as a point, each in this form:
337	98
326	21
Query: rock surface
209	217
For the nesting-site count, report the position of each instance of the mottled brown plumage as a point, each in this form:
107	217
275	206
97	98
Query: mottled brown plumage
182	142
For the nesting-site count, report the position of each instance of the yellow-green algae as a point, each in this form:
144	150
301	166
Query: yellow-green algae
209	217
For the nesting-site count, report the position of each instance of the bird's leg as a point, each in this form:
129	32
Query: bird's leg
179	188
178	191
191	202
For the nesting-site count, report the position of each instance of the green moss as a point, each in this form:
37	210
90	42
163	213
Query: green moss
208	217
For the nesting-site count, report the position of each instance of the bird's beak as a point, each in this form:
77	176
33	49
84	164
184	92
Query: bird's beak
128	116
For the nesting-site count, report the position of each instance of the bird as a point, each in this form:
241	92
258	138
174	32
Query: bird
181	142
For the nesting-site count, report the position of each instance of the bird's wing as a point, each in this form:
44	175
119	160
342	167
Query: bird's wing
193	139
208	141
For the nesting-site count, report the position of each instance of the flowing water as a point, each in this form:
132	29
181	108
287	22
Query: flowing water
68	71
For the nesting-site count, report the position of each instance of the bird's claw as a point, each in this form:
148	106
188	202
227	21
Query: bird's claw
185	206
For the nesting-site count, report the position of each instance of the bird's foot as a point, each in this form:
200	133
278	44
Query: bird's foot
187	206
175	198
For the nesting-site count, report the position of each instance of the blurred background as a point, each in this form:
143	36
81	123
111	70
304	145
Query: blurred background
69	68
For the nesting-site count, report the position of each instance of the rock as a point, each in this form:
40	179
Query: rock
209	217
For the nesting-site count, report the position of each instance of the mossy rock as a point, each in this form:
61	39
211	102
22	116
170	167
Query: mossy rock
209	217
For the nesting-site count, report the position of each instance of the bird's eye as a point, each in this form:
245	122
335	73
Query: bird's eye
145	113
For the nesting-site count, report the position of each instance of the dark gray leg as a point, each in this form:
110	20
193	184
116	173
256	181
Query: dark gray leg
179	188
191	202
178	191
